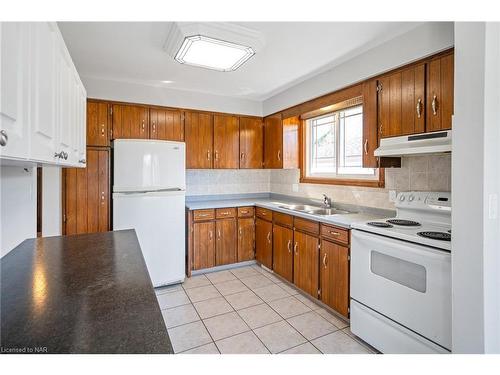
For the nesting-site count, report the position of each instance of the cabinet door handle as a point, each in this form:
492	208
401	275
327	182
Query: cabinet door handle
296	248
434	105
102	130
419	107
366	146
336	234
103	196
216	155
210	235
269	237
218	234
208	154
324	260
289	246
241	233
143	125
4	138
154	127
279	155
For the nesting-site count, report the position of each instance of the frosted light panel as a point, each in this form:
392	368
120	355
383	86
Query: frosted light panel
213	53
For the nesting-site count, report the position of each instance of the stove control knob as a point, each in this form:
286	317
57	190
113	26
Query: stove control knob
401	198
410	198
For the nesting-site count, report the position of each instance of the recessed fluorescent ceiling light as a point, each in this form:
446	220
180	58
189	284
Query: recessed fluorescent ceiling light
212	53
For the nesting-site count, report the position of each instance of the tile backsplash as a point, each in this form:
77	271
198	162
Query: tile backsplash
424	173
429	172
227	181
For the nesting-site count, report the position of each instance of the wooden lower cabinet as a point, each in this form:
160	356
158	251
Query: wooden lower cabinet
86	195
203	245
334	276
264	242
246	239
305	263
225	244
282	252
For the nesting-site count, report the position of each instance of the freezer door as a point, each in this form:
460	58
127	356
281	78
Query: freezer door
158	219
146	165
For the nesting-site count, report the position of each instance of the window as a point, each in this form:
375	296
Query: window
333	146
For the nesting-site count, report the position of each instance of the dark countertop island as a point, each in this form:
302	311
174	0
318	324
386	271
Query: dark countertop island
88	293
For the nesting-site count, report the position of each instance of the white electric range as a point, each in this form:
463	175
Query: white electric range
401	276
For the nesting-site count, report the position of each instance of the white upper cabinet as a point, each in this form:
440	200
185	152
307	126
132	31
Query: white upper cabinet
43	113
44	79
14	94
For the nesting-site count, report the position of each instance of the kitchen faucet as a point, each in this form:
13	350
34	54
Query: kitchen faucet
327	201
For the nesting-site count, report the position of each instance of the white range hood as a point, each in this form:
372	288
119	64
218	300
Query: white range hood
426	143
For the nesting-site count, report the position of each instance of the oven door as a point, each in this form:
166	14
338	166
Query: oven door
406	282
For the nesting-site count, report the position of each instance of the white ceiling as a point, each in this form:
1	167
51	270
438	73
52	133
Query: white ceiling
293	51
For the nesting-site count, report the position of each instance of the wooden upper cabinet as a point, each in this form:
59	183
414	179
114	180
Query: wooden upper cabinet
305	263
199	140
130	121
370	136
283	252
86	195
264	242
334	276
226	142
273	142
290	157
203	245
251	143
97	124
225	245
440	87
401	100
281	142
165	124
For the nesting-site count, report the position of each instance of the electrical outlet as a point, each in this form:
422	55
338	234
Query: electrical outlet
295	188
392	195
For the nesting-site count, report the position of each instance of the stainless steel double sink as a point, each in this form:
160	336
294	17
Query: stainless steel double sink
314	210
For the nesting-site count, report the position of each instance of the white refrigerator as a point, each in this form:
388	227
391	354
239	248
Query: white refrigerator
149	187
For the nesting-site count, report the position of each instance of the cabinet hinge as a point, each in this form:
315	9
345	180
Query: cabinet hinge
348	257
319	246
111	110
319	293
111	133
64	218
379	87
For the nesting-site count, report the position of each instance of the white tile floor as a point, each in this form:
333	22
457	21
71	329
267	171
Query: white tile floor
248	310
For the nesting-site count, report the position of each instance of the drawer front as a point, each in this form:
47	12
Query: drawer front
335	233
306	225
283	219
264	213
201	215
222	213
245	211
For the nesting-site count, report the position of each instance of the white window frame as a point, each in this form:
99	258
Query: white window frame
309	150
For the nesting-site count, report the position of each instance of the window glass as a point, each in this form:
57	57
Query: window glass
335	144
